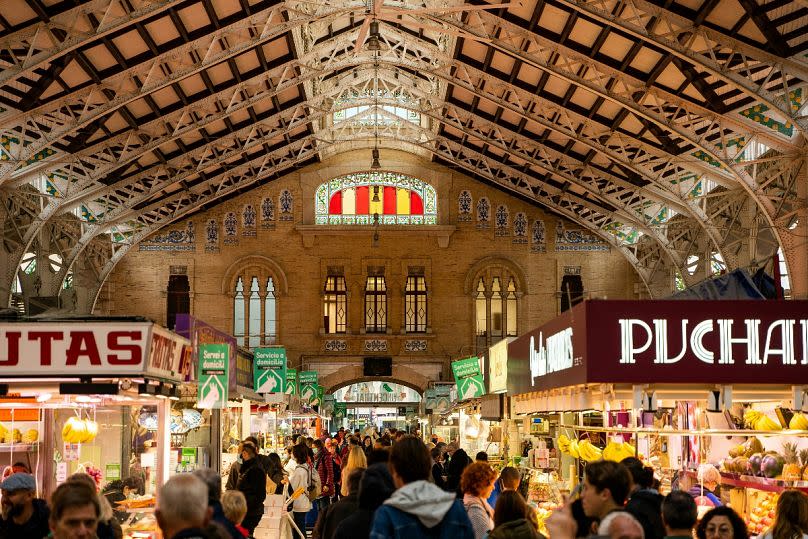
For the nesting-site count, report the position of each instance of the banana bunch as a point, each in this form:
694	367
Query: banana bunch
79	431
758	421
617	451
589	452
798	422
12	436
569	447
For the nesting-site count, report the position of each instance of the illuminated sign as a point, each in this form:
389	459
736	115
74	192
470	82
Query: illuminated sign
748	334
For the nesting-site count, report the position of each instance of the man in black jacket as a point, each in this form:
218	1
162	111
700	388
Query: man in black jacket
644	502
263	460
252	482
335	513
23	514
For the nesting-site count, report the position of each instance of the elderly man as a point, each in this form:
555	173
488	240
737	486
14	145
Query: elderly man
76	511
24	515
182	511
621	525
214	482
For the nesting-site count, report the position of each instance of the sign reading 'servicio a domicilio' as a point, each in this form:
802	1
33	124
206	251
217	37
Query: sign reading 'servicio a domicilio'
269	370
214	361
728	342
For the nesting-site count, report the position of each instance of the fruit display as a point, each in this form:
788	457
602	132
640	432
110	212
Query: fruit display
15	436
792	471
798	422
617	451
79	431
762	511
583	449
759	421
543	512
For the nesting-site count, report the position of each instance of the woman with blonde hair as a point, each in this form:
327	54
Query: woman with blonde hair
356	460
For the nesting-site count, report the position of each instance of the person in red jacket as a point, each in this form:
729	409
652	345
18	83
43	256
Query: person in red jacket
324	464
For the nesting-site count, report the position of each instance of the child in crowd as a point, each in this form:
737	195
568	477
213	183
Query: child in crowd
234	505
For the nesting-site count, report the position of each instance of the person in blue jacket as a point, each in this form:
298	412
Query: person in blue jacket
418	508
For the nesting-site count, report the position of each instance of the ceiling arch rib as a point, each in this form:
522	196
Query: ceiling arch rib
37	129
452	79
44	42
706	48
708	135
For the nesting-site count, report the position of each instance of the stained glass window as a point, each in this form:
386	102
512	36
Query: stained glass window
415	304
335	304
375	305
355	199
269	312
255	311
238	311
255	314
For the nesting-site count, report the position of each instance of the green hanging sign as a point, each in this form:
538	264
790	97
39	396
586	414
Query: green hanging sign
468	378
387	387
308	386
291	381
269	370
214	362
327	407
340	410
318	399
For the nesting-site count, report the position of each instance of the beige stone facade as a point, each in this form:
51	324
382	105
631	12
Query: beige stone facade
298	254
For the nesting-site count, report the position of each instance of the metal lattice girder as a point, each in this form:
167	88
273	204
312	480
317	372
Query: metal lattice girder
234	180
45	41
706	131
729	59
39	128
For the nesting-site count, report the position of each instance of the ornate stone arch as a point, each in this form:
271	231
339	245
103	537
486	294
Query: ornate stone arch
262	265
403	375
491	262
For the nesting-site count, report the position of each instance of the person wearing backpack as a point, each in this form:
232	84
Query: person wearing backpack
307	479
324	464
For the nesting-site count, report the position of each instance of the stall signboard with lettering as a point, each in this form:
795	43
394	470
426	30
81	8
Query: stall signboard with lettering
308	386
115	349
214	363
200	332
269	370
498	366
722	342
468	378
291	381
168	355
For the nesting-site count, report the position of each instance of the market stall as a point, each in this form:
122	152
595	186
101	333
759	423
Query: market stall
682	385
96	396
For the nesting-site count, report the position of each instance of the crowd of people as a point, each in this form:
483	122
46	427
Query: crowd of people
397	487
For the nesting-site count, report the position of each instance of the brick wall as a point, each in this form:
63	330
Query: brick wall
300	253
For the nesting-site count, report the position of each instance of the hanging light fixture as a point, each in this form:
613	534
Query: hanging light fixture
374	162
373	38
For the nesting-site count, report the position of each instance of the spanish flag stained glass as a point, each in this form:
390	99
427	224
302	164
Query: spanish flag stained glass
396	198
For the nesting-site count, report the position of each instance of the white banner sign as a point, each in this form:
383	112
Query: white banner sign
498	366
90	348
